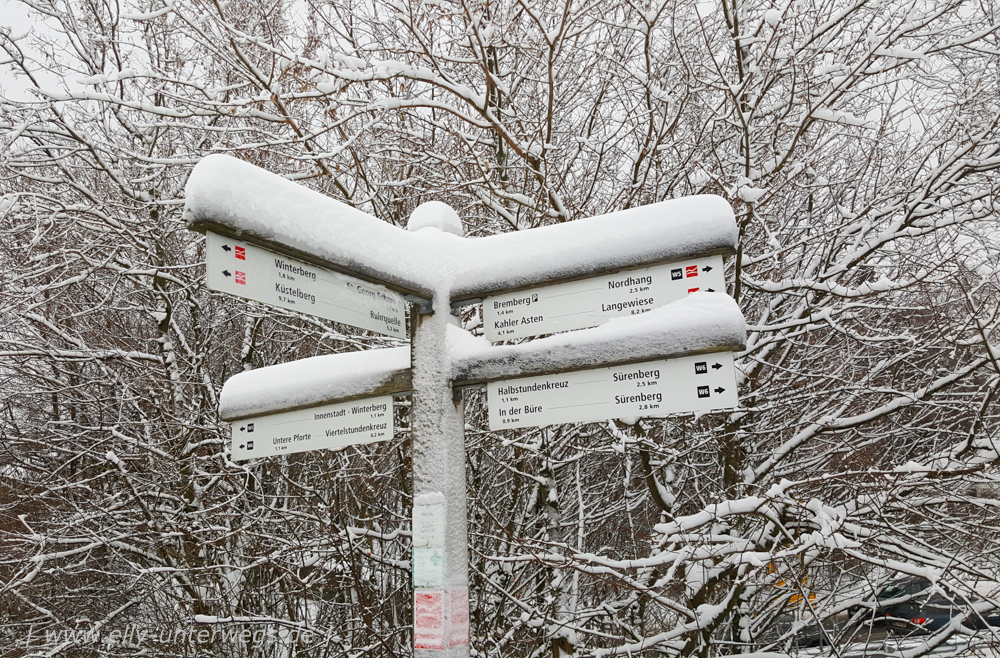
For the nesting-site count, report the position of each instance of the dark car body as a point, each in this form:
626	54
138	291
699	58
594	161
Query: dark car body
915	605
810	636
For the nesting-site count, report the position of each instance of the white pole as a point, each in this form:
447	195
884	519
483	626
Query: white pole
440	521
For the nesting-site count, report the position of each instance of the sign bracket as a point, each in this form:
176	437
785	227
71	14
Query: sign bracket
456	307
424	305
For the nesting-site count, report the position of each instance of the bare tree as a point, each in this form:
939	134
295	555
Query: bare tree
858	142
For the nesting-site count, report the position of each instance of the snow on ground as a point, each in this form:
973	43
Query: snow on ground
886	646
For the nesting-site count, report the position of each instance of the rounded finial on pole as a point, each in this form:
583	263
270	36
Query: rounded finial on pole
436	214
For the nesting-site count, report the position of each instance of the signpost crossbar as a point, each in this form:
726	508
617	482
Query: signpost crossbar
677	330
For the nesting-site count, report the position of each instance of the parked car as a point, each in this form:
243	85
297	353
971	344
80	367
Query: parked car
914	605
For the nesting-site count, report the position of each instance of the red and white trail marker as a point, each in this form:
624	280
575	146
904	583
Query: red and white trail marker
428	620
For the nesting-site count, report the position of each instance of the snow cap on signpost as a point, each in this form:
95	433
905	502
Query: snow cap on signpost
435	214
238	200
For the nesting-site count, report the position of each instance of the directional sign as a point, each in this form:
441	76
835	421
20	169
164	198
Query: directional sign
328	426
253	273
654	388
591	302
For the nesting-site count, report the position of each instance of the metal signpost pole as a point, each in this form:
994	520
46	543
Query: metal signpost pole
440	525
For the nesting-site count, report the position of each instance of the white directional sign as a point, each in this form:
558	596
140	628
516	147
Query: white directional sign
653	388
591	302
253	273
328	426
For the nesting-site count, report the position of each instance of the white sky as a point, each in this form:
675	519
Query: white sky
14	16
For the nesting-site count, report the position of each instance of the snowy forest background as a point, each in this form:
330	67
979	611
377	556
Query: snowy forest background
856	139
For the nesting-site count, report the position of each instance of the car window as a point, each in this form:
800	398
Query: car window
905	588
892	592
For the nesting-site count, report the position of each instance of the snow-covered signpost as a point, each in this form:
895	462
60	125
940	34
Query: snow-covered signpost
653	340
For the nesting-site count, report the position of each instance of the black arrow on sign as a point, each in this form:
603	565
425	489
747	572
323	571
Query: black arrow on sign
226	247
226	272
709	290
707	268
716	366
719	390
242	428
241	446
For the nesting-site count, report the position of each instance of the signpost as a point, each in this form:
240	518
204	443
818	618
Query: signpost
590	302
247	271
305	252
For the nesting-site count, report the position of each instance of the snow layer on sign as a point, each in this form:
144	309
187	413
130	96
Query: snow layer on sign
311	382
657	233
228	194
702	321
248	200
